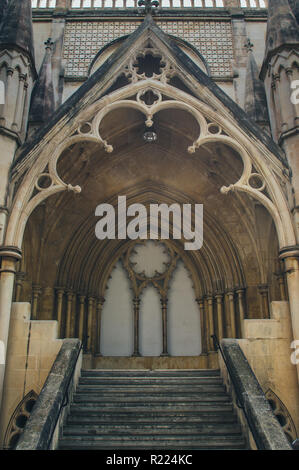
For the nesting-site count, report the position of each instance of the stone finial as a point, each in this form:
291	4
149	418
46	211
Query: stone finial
49	44
149	6
255	96
248	45
42	101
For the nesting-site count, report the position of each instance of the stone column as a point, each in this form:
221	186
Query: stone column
8	107
211	323
136	303
10	256
69	307
90	309
164	301
100	304
200	303
36	291
240	293
81	316
20	276
219	299
282	287
290	255
18	117
60	293
264	292
232	313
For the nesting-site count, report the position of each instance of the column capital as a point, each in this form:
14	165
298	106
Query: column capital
230	292
60	290
200	300
219	296
289	252
10	252
100	302
240	290
36	289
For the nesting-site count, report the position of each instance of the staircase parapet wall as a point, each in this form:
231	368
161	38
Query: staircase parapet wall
267	432
42	429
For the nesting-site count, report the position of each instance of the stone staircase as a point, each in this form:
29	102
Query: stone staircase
151	409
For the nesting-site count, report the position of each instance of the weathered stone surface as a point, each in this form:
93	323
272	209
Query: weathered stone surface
255	96
42	422
265	428
16	29
282	27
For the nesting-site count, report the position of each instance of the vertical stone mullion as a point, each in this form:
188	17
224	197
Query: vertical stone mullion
136	303
200	303
211	322
219	299
90	322
100	304
81	316
164	301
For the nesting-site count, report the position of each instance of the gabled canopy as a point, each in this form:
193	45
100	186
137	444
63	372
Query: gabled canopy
96	87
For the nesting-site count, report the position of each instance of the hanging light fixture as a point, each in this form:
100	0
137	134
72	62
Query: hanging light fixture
150	136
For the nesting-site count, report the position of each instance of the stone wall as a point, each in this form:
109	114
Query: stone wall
32	349
266	345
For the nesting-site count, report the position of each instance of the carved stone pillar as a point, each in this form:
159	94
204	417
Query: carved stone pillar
81	316
7	108
136	303
211	322
69	307
100	304
36	291
282	288
20	276
164	301
219	299
290	255
232	313
18	116
90	310
264	292
201	305
9	257
240	293
59	293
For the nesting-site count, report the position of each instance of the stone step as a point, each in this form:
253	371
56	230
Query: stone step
123	399
134	381
158	408
150	389
163	417
150	373
162	442
152	429
151	409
